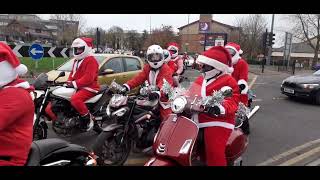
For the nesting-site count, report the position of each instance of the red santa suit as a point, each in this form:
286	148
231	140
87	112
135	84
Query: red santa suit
217	129
154	77
240	73
16	110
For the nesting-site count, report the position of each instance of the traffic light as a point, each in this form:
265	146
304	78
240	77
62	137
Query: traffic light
265	40
271	39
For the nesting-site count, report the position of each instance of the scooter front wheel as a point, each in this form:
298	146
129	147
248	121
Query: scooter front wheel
111	149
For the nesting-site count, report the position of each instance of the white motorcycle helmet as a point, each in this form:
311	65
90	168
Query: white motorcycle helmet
166	55
174	51
155	56
81	48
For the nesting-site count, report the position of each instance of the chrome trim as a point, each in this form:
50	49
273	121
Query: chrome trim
161	148
185	147
152	160
57	163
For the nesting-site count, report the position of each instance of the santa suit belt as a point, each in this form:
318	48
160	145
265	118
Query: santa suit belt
226	125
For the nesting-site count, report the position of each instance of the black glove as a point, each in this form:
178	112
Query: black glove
69	85
215	110
175	74
242	87
153	96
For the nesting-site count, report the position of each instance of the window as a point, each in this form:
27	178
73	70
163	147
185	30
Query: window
100	59
115	64
38	30
132	64
67	66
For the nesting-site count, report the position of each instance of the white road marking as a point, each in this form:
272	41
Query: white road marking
253	81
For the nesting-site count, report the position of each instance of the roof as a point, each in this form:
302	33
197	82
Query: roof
307	55
213	21
297	48
31	25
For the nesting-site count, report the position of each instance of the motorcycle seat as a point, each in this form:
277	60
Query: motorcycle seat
42	148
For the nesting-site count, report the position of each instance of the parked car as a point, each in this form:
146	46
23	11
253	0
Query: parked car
111	66
316	67
307	86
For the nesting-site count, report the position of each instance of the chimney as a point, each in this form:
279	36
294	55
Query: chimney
205	17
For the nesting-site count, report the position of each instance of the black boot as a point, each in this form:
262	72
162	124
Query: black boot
85	122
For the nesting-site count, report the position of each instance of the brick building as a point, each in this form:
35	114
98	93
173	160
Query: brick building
192	40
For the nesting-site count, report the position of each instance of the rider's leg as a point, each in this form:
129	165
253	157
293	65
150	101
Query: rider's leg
77	101
215	145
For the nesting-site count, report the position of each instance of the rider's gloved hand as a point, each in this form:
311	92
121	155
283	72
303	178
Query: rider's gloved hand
124	89
175	74
215	110
69	85
153	96
242	87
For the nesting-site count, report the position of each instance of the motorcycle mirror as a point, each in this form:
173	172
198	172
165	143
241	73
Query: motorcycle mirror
61	74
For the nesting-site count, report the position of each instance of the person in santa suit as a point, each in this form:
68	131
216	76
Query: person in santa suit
241	70
84	78
240	74
154	72
166	56
16	110
215	65
176	62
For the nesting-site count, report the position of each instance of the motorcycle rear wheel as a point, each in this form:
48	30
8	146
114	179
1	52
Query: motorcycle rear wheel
110	150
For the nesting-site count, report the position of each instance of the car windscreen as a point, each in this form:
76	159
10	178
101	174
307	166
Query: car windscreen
68	65
317	73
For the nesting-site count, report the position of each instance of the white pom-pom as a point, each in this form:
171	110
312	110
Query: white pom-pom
21	69
240	51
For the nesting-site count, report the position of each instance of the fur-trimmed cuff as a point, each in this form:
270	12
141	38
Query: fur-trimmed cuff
74	84
126	85
245	83
222	110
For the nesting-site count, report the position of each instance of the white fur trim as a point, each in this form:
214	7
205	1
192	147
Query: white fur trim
246	89
240	52
231	47
203	88
7	73
215	63
91	90
153	77
24	85
216	124
21	69
126	85
222	110
74	84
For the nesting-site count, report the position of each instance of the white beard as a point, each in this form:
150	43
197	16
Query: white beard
211	74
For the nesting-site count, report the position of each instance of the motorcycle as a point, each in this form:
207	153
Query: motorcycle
174	145
68	119
57	152
136	121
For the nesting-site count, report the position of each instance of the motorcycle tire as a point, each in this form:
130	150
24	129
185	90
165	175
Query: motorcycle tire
109	144
41	132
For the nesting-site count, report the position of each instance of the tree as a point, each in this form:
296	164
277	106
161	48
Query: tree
92	33
307	28
68	31
161	36
115	37
132	39
251	31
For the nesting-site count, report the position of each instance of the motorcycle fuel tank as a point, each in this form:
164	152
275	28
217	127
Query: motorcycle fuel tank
64	92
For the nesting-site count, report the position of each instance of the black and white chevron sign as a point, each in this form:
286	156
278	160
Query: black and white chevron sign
22	51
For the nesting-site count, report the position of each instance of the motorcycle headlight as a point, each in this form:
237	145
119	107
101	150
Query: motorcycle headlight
179	104
119	112
309	86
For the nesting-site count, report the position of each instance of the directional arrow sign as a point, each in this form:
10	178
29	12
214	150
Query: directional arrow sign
36	51
50	52
16	50
63	52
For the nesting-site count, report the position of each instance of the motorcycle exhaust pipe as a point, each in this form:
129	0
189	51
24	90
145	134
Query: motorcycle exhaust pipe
254	110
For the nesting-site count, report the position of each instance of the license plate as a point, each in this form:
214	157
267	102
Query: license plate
291	91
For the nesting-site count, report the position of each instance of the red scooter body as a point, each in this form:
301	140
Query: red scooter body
176	139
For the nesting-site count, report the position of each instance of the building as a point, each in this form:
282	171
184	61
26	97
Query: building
30	28
192	40
301	53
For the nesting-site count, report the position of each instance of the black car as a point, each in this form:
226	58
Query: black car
307	86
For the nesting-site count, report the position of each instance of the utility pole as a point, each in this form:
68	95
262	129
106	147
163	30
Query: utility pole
270	47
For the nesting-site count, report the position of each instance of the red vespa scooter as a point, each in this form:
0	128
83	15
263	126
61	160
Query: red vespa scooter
179	141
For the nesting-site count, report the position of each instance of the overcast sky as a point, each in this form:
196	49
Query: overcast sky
141	22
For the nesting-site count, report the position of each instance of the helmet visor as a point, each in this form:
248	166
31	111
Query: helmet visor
232	52
78	50
154	57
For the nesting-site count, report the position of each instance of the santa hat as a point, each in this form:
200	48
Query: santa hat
234	46
217	57
81	41
88	41
173	45
7	55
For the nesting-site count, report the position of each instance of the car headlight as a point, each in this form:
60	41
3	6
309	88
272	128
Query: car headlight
179	104
119	112
309	86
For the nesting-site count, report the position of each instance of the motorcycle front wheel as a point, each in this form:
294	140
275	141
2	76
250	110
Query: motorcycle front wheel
110	150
